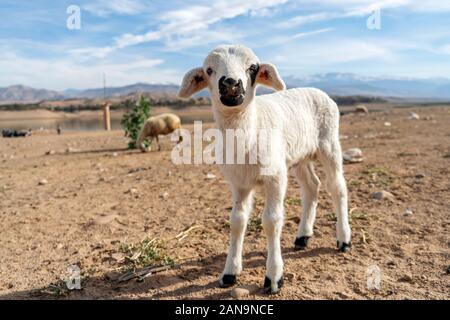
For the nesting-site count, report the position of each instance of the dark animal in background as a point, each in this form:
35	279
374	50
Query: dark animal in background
12	133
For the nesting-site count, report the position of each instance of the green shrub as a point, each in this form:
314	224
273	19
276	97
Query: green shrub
134	120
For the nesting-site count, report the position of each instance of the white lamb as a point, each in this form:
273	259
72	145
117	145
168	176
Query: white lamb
308	122
161	124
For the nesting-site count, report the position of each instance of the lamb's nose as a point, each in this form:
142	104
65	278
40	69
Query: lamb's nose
230	86
230	82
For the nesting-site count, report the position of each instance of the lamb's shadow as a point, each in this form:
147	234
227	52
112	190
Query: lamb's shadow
183	278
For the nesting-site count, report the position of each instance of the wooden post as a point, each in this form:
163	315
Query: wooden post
106	117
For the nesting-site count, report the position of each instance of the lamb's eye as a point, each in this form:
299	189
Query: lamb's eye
209	71
253	68
253	71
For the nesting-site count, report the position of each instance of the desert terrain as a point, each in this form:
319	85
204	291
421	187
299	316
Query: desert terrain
83	199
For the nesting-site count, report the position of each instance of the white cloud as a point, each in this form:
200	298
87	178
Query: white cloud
444	49
60	74
304	19
190	25
310	33
281	40
317	55
345	10
105	8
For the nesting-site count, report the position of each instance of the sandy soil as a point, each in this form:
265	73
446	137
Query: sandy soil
99	196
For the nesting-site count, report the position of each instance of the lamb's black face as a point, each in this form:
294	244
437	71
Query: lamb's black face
231	72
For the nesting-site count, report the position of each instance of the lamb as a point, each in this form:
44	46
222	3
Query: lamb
307	121
163	124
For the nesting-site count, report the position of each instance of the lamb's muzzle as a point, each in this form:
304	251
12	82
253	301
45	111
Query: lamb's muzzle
231	91
303	124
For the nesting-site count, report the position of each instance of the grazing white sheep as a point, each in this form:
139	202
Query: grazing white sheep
158	125
308	123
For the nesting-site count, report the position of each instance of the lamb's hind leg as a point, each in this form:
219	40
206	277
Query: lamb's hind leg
310	185
332	161
242	206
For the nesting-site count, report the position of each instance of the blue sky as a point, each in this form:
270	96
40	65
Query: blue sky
158	41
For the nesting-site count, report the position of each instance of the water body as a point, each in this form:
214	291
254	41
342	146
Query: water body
78	124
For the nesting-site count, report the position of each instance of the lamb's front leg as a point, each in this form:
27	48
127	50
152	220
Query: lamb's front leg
242	206
273	222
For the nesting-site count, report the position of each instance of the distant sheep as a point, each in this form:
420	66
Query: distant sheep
12	133
304	126
162	124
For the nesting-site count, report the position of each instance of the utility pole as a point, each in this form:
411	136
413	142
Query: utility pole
106	114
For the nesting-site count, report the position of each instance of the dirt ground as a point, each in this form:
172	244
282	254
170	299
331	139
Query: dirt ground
98	197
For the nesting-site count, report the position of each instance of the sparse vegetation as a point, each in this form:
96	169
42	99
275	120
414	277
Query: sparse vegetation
357	215
380	176
332	216
134	119
352	183
148	252
254	224
293	202
353	100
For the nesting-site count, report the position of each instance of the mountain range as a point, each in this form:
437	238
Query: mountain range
338	84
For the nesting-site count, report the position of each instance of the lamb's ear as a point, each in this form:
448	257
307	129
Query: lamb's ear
268	76
193	82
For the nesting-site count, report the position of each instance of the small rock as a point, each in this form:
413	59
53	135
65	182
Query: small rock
59	246
420	176
71	150
238	293
381	195
290	276
106	219
115	154
343	137
408	212
406	278
413	116
132	191
50	152
392	264
353	155
117	256
361	109
42	182
165	195
210	176
10	286
387	124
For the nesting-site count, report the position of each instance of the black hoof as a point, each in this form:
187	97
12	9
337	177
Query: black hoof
301	243
344	247
268	285
227	280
